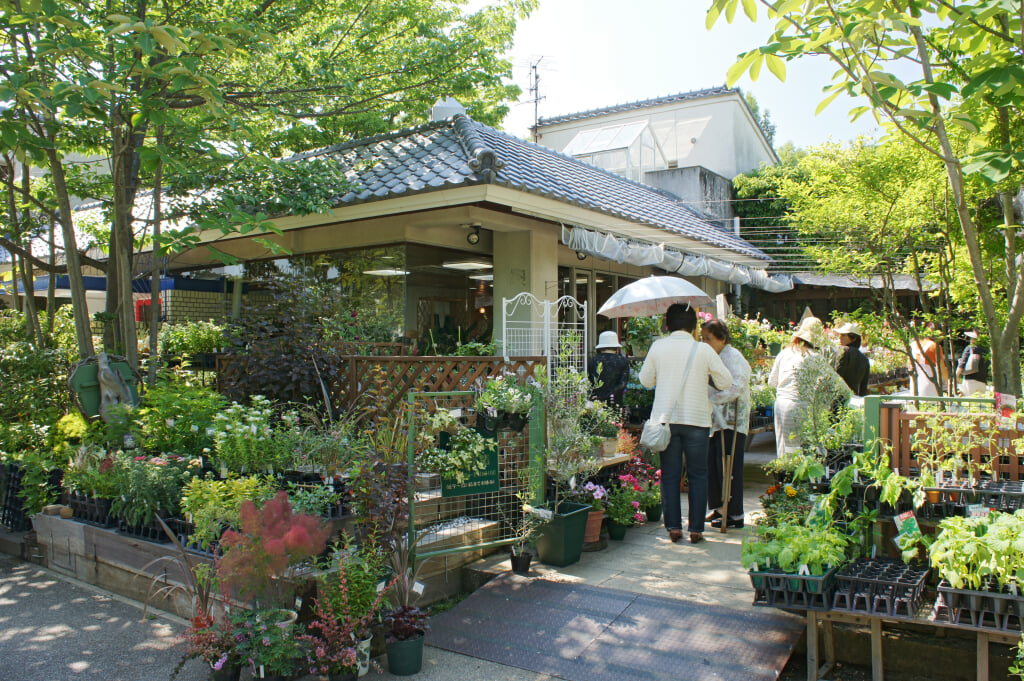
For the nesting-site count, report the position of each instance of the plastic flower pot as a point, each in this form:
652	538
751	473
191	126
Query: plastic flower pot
653	513
226	674
561	541
616	531
405	658
521	563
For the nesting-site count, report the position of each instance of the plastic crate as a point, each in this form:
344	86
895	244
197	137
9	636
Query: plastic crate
884	587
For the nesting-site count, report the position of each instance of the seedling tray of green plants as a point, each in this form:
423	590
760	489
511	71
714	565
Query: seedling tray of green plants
777	589
993	608
883	587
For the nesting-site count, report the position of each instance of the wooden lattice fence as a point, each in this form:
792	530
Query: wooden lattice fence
399	375
992	443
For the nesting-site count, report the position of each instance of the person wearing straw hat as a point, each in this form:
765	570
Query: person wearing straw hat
608	370
789	409
971	368
730	420
679	368
853	366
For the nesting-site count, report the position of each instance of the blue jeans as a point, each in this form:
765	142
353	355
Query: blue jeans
693	441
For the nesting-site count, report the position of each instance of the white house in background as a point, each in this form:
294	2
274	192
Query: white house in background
691	144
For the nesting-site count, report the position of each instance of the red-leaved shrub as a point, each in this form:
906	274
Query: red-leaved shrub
271	540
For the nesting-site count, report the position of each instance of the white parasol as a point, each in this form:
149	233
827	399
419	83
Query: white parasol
651	296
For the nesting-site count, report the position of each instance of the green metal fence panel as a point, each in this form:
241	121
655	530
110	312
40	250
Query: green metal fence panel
482	511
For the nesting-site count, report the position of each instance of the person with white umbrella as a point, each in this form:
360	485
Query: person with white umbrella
678	368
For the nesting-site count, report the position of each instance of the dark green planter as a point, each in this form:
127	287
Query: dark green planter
561	541
405	658
616	531
653	513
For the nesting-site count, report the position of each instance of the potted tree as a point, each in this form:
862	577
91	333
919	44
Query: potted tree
569	459
404	622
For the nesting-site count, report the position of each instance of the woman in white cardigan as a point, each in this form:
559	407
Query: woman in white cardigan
789	410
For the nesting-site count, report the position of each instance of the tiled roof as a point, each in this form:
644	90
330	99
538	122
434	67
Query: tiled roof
643	104
461	152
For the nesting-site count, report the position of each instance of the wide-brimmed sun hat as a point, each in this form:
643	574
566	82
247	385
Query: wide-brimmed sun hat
972	334
607	339
810	330
849	328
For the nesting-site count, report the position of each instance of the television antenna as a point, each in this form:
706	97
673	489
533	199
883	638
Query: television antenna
534	91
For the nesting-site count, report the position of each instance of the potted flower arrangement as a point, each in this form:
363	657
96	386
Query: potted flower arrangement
595	496
646	475
603	421
271	646
218	646
623	507
404	622
505	403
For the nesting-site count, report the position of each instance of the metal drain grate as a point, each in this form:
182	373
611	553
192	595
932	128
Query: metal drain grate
586	633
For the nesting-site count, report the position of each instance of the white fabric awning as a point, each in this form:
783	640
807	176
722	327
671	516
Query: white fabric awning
617	249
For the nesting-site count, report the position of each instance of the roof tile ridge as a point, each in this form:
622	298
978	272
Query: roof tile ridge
364	141
482	159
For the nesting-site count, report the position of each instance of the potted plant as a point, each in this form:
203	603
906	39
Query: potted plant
505	402
211	506
147	486
799	557
271	645
595	496
91	483
216	645
260	558
623	508
404	622
603	421
244	438
355	588
450	449
525	525
569	458
646	475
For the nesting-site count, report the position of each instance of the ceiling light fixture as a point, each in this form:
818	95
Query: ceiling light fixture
580	255
386	272
467	265
482	277
474	237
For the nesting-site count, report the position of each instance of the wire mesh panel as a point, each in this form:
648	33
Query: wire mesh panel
555	329
478	508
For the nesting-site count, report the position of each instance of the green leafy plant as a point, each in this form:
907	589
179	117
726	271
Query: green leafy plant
450	449
600	419
191	338
212	505
790	546
177	417
91	471
970	551
819	388
354	587
244	437
623	506
641	331
314	500
404	620
148	486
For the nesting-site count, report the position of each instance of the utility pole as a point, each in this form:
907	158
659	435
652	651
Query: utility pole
535	93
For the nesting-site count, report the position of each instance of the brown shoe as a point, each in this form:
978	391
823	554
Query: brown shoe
675	535
696	537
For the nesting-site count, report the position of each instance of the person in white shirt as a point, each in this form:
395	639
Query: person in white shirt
789	410
730	420
678	368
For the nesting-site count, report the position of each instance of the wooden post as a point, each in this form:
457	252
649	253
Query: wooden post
812	646
877	673
982	656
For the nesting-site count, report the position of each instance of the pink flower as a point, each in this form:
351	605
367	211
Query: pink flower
636	504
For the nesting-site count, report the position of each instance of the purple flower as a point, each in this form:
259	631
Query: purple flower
219	664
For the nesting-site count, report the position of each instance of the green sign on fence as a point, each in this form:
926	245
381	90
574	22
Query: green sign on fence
477	483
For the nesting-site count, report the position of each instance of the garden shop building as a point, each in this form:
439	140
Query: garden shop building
439	223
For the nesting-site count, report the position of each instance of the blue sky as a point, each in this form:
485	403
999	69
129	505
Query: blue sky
603	52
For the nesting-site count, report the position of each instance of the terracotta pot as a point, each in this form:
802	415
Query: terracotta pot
593	531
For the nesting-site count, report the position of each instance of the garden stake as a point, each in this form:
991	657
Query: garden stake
727	460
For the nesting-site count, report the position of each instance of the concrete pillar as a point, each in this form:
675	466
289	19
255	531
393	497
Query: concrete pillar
523	261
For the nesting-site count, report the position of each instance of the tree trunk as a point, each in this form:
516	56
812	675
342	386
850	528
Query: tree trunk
75	282
154	281
31	314
51	284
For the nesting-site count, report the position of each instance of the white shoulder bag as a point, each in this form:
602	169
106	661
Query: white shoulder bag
656	434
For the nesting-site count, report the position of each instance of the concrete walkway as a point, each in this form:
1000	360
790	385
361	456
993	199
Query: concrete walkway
55	629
